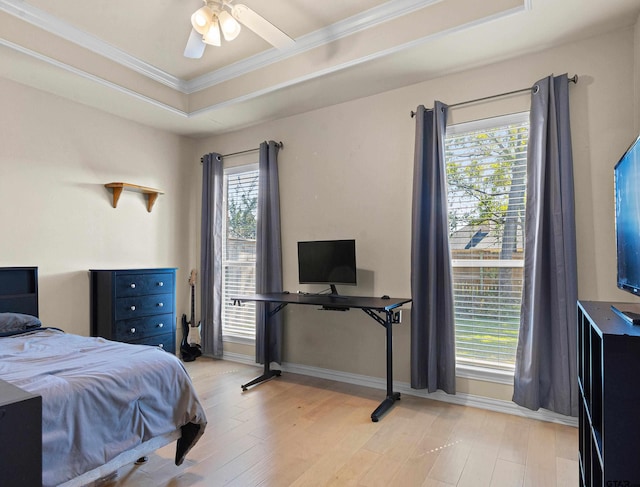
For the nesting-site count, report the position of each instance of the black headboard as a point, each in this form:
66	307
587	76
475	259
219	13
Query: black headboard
19	290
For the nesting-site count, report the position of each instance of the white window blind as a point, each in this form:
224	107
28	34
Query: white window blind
486	175
239	250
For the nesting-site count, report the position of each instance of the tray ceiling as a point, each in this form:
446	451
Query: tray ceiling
127	57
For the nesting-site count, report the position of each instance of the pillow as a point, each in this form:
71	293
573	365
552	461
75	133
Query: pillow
18	322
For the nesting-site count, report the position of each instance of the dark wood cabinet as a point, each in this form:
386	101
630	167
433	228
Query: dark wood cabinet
609	383
21	434
135	306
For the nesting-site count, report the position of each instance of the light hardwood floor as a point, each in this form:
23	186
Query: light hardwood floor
303	432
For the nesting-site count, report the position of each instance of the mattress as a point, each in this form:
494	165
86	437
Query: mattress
100	398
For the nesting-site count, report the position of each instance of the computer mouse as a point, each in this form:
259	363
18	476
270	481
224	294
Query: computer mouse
385	297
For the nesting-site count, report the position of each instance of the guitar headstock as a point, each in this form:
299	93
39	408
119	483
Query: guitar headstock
192	277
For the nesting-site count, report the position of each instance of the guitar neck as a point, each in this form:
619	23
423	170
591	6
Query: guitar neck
193	305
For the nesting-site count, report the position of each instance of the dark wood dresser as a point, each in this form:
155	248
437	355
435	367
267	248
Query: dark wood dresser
135	306
21	434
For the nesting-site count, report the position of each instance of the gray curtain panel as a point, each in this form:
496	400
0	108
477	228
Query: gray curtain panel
546	369
433	361
211	255
269	250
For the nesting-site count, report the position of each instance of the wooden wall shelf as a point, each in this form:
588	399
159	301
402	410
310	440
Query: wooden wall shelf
152	194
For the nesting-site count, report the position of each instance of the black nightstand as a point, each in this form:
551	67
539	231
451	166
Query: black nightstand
21	433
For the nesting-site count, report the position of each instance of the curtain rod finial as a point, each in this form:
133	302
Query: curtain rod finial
574	79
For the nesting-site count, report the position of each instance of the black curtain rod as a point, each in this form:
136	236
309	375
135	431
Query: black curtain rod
574	79
279	144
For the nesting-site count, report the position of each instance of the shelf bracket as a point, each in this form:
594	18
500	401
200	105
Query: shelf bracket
151	193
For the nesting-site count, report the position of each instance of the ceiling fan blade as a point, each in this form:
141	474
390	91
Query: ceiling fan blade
195	46
261	26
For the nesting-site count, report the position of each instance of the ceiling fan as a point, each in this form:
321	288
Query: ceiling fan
220	16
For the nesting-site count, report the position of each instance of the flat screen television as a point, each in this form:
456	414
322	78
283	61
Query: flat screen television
327	262
627	218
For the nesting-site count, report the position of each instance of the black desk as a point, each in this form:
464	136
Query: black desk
379	309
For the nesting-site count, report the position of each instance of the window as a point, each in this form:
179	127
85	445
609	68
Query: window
239	250
486	175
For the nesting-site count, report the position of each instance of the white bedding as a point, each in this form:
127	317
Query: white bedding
100	398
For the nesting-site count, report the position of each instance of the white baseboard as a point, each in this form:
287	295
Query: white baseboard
463	399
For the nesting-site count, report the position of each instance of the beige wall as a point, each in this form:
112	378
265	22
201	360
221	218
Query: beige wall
55	157
346	171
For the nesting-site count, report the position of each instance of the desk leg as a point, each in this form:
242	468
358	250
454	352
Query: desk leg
266	375
266	350
392	397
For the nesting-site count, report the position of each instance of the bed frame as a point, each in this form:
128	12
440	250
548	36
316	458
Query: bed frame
19	294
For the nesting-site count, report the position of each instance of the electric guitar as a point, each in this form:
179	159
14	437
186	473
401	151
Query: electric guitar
190	347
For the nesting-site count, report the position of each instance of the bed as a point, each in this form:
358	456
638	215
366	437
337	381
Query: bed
142	395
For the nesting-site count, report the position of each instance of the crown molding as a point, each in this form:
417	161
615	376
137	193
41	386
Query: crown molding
55	26
349	64
91	77
362	21
346	27
367	19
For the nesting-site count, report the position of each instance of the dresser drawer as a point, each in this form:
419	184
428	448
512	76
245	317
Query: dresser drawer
136	306
166	342
134	329
141	284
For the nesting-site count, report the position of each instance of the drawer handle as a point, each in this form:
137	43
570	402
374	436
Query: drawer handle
160	305
132	285
161	284
132	308
160	325
133	330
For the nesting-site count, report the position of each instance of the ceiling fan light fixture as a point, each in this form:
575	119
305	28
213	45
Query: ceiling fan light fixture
201	20
229	26
212	36
220	18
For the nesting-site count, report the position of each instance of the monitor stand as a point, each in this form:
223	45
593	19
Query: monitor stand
333	295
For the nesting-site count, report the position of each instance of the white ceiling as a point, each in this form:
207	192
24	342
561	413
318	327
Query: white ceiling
126	57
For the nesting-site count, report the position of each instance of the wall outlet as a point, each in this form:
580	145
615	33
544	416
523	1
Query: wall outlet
397	316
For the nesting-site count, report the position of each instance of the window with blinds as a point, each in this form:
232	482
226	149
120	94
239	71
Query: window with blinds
486	175
239	250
